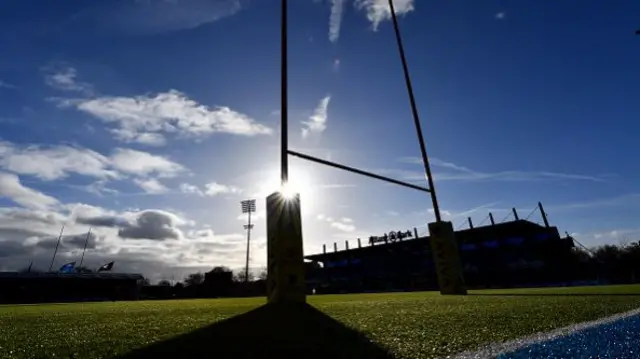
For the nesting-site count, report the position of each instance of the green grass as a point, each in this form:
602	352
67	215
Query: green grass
411	325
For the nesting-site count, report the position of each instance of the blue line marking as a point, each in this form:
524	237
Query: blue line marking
619	339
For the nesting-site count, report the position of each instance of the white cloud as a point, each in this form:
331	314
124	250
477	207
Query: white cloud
501	15
58	162
378	10
454	172
64	78
99	188
318	121
145	119
620	236
255	216
11	188
335	20
213	189
145	138
344	224
191	189
210	189
54	162
336	65
144	164
151	185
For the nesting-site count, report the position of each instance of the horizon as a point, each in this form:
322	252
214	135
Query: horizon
149	121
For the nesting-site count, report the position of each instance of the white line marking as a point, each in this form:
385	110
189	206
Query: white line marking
495	349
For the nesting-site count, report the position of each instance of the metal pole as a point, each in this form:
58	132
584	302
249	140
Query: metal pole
544	215
491	219
414	111
355	170
284	112
56	250
246	270
85	248
515	213
470	223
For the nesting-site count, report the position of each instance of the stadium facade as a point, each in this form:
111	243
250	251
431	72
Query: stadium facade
512	254
37	287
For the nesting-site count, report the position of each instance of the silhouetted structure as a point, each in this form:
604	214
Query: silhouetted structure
218	283
25	287
517	253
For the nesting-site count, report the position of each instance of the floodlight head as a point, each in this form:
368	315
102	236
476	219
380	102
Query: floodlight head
248	205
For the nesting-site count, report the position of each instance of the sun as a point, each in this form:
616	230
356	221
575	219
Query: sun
289	190
300	182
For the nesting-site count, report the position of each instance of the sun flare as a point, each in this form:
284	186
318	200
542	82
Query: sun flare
300	183
289	190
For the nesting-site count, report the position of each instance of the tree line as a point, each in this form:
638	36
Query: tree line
610	263
606	264
218	282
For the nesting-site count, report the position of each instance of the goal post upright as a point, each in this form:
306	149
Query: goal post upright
442	240
285	278
285	262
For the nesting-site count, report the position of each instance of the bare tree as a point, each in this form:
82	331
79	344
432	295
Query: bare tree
194	279
220	269
263	274
240	277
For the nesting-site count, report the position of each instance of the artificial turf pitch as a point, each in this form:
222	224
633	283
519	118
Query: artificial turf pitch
400	325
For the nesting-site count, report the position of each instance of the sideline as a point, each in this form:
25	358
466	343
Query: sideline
493	350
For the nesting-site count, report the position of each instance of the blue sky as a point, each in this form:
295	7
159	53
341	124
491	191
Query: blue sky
150	120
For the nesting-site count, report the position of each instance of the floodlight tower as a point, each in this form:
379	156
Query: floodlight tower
248	206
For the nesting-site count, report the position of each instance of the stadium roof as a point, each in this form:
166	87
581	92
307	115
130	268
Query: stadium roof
471	235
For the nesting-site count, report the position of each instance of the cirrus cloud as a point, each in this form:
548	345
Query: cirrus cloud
378	10
317	123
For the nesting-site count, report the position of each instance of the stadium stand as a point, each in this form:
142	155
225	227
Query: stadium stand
37	287
512	254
